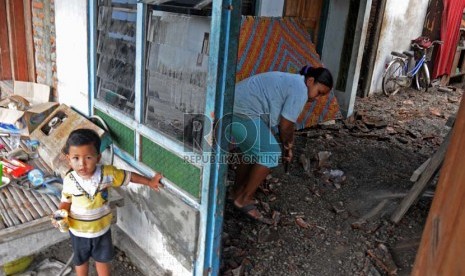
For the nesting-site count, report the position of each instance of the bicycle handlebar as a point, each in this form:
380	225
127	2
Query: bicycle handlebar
416	45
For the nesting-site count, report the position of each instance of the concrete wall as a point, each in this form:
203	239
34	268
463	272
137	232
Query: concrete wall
161	224
403	21
71	51
270	8
43	32
334	35
333	49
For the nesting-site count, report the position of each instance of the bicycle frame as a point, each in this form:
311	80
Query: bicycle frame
417	67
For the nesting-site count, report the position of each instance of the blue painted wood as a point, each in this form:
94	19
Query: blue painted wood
220	98
140	72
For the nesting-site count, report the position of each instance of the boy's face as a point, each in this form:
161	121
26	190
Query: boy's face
83	159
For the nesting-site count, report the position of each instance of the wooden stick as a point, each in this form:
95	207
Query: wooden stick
13	219
41	201
383	258
420	186
5	213
14	207
416	174
54	200
373	212
21	204
27	202
48	201
37	206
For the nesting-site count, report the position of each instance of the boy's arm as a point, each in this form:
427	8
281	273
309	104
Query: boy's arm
153	182
65	206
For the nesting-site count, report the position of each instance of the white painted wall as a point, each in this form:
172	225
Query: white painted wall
333	46
403	21
135	220
334	35
270	8
71	50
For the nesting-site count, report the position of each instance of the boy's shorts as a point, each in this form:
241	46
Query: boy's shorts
99	248
256	141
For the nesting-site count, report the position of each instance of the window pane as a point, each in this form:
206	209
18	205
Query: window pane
177	64
116	53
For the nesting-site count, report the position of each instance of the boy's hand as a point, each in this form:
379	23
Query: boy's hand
155	183
54	221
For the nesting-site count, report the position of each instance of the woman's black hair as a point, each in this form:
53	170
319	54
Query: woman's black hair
320	74
82	137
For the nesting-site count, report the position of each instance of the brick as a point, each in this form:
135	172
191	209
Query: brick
41	15
37	5
37	23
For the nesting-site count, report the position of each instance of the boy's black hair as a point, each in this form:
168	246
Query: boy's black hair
320	74
81	137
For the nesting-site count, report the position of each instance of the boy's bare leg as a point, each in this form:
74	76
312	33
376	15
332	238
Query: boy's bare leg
81	270
103	269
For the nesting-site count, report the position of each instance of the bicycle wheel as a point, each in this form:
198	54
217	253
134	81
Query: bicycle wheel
392	77
422	79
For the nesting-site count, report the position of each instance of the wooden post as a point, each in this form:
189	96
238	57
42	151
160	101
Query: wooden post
5	64
442	250
420	186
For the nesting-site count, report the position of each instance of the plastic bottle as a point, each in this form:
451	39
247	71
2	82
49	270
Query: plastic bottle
36	177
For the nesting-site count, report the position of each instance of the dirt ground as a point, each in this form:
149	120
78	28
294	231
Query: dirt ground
327	224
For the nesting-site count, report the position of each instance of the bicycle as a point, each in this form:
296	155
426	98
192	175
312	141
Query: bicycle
405	66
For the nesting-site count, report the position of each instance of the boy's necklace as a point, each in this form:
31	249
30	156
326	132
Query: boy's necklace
79	187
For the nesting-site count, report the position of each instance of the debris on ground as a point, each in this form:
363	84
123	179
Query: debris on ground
331	213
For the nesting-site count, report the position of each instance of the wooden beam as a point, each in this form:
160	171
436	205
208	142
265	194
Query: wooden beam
17	37
29	40
442	249
420	186
5	63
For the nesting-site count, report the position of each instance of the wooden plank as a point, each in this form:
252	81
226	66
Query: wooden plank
53	199
420	186
15	15
442	249
48	201
42	203
7	220
35	204
13	220
5	63
26	202
416	174
25	229
21	204
29	41
14	206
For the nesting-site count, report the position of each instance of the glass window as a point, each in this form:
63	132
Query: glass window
176	70
116	53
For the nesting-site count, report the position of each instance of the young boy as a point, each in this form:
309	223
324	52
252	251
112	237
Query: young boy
85	198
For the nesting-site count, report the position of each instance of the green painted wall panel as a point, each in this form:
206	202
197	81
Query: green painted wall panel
184	175
122	135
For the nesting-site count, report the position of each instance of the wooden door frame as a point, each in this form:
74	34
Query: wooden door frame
5	61
17	38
